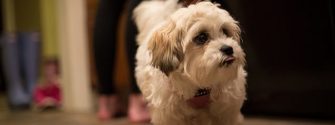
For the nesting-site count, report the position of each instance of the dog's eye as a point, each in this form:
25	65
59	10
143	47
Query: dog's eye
225	32
202	38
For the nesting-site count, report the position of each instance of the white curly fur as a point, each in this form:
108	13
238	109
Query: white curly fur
171	67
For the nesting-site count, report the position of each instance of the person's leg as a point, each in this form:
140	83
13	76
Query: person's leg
104	43
137	110
29	52
131	44
2	75
15	91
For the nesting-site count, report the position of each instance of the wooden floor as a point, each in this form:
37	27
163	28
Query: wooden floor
56	117
61	118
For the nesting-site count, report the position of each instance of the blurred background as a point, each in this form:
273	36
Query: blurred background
290	46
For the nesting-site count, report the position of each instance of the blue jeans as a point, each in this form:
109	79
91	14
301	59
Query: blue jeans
20	62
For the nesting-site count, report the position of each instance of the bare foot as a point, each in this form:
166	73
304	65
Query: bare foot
137	110
103	111
108	106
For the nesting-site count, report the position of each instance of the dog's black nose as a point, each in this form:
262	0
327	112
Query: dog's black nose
227	50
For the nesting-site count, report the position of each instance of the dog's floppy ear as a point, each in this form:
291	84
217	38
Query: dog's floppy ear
166	49
236	32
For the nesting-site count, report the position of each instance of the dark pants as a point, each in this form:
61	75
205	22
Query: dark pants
105	42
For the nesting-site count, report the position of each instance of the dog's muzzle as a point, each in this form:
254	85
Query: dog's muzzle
227	51
202	92
227	61
201	99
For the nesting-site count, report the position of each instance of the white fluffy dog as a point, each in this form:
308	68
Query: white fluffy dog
190	63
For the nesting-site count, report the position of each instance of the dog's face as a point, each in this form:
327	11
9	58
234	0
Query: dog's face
201	41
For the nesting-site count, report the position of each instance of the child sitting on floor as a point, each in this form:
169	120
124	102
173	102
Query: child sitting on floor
48	94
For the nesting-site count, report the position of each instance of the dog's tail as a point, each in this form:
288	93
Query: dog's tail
149	14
